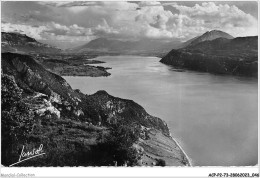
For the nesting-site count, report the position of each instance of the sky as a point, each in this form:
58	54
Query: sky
73	23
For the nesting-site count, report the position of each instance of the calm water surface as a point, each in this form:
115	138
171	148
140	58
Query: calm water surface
214	118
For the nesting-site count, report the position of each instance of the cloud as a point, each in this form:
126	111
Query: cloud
149	3
224	17
194	20
104	28
32	31
50	31
78	6
125	20
71	4
72	30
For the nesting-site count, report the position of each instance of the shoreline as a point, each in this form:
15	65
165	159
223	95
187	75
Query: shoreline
177	143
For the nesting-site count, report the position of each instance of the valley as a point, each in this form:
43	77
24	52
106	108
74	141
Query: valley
79	116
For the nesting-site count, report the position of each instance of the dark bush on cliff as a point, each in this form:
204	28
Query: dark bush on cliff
116	148
160	162
16	119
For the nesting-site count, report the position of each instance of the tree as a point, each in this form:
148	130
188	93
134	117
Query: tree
117	146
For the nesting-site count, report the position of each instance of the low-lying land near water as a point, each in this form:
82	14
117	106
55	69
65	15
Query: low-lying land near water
72	65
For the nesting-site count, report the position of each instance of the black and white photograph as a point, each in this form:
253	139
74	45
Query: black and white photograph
106	84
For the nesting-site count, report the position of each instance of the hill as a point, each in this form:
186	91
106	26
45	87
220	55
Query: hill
20	43
235	56
208	36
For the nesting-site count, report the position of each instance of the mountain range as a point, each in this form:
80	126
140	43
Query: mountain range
214	51
141	47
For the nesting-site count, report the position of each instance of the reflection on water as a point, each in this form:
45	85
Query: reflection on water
213	117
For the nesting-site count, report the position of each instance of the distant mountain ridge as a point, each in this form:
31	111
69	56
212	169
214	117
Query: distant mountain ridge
211	35
239	44
143	46
20	43
222	55
207	36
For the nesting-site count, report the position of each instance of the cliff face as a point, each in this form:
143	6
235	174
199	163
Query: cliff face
114	109
39	107
220	56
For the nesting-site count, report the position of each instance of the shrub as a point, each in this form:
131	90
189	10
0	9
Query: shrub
160	162
117	146
16	121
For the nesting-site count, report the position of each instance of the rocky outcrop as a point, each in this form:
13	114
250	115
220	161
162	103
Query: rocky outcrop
33	77
113	109
41	104
220	56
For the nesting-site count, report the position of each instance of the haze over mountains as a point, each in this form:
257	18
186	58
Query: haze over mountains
15	42
142	46
20	43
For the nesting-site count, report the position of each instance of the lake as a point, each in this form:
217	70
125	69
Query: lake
213	117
